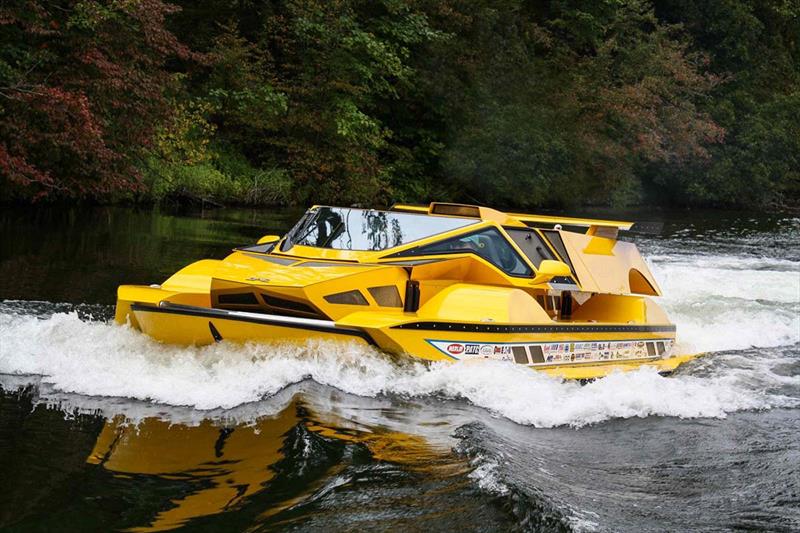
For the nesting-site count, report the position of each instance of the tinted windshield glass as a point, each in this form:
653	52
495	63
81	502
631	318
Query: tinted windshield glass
487	243
361	229
531	245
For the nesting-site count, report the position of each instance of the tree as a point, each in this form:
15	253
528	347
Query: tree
82	88
753	44
566	103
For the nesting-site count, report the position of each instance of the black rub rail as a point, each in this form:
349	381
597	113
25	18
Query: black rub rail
506	328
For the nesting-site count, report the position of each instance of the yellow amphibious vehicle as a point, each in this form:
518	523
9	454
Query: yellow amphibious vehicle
445	282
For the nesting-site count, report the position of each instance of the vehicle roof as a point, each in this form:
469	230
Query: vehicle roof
516	219
600	262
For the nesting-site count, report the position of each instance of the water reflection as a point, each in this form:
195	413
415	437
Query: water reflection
81	255
224	465
130	467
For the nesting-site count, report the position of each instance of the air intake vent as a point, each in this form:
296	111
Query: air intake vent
537	356
411	304
520	355
242	298
455	210
386	296
348	298
281	303
651	349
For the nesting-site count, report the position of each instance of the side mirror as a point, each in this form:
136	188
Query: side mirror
549	269
267	239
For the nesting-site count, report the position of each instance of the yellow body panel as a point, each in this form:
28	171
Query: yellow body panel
465	307
188	330
584	372
503	305
604	265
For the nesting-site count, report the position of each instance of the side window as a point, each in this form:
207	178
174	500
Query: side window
554	238
531	245
490	244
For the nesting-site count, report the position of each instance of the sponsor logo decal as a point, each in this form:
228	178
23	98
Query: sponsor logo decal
455	348
556	352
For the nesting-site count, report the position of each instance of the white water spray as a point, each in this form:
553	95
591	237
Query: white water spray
723	303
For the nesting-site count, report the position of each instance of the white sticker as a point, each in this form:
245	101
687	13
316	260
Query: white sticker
577	352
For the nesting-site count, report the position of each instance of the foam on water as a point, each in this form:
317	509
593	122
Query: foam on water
99	359
723	302
720	304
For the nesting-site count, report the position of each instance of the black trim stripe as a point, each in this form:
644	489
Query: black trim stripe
284	261
187	310
510	328
257	248
214	332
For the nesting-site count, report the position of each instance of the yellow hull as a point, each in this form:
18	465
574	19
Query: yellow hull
185	325
192	325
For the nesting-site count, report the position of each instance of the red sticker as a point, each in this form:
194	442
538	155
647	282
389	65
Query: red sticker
455	348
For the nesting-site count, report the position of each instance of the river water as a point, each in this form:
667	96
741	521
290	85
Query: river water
104	429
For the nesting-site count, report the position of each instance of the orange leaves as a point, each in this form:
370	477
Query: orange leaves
87	89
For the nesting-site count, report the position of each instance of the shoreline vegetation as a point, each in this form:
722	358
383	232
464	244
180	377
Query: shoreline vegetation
553	104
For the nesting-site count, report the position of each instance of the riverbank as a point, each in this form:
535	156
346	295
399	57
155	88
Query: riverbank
270	195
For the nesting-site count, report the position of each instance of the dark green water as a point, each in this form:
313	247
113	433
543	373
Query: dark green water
102	429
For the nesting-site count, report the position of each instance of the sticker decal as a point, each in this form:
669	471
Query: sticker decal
472	349
551	353
455	348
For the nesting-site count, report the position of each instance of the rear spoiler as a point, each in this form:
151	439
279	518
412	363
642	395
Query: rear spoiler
608	229
571	221
598	228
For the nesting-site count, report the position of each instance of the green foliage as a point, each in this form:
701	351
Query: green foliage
224	178
82	91
566	108
502	102
753	45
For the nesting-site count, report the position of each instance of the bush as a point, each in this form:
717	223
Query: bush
219	180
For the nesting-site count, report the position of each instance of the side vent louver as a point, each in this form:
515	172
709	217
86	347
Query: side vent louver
537	356
520	355
242	298
291	305
386	296
353	297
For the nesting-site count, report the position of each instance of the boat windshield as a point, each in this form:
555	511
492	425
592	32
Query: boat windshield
342	228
